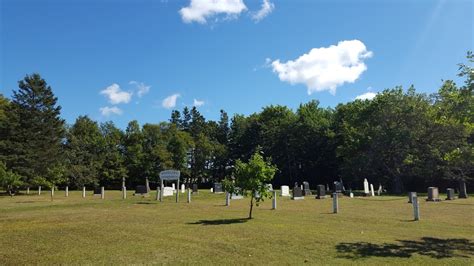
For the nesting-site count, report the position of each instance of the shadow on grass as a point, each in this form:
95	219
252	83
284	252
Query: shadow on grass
428	246
145	202
221	221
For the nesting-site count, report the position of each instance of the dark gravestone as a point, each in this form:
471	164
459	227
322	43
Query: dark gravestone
450	194
218	188
297	193
195	188
321	192
97	191
462	190
433	194
141	190
338	187
410	196
306	189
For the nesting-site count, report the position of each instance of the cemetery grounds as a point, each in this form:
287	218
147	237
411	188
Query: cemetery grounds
141	230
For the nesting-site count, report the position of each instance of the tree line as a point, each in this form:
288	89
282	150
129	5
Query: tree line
401	139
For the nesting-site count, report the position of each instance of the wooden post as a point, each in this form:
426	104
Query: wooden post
102	193
124	192
83	191
161	191
416	209
177	191
189	195
67	192
274	201
335	203
227	199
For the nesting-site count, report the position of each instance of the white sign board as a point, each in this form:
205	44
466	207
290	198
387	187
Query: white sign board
169	175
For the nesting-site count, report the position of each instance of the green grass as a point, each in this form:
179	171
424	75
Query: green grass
380	230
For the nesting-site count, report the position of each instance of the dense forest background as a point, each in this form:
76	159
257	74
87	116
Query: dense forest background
401	139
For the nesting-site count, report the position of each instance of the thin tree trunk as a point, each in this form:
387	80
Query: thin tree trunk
251	207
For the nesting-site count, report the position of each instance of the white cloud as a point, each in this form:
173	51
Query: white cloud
170	101
142	89
366	96
200	10
325	68
265	10
106	111
198	103
116	95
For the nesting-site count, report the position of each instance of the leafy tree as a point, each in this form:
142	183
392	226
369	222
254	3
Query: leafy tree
35	131
9	180
252	179
133	151
112	168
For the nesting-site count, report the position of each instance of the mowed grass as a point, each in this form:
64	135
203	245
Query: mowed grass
379	230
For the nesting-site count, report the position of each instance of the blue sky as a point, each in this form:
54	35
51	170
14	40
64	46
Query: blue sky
119	60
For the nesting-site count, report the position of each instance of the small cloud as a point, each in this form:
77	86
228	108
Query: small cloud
325	68
141	87
265	10
116	95
170	101
366	96
200	10
107	111
198	103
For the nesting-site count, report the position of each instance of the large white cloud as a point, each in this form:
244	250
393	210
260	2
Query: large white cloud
116	95
198	103
366	96
200	10
325	68
142	88
170	101
265	10
107	111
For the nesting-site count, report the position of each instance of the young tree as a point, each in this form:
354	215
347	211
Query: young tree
9	180
252	179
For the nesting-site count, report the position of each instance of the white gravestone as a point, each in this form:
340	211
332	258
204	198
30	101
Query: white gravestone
173	186
168	191
366	187
183	189
285	191
212	189
372	190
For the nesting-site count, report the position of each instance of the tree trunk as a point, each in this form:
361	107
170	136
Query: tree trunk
251	207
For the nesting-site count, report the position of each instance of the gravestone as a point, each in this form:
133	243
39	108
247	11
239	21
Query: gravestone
218	188
462	190
237	194
306	189
321	192
195	188
173	186
183	188
366	187
410	196
285	191
167	191
297	193
97	191
450	194
212	190
372	190
337	187
147	185
379	191
141	190
433	194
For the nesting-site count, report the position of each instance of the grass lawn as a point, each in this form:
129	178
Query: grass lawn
139	230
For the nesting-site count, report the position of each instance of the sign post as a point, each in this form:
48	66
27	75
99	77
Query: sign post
169	175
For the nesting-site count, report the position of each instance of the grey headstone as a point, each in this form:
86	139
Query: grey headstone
450	194
141	190
321	192
410	196
195	188
97	191
217	188
462	190
297	193
433	194
338	187
306	189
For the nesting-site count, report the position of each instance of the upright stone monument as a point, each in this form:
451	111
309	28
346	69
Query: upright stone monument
450	194
306	189
183	188
372	190
97	191
218	188
321	192
147	185
433	194
297	193
141	190
285	191
366	187
379	191
411	195
462	190
195	188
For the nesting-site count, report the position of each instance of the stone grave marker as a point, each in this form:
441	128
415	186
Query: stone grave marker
321	192
297	193
306	189
167	191
218	188
433	194
337	187
379	191
410	196
141	190
183	188
450	194
195	188
285	191
97	191
372	190
462	190
366	187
